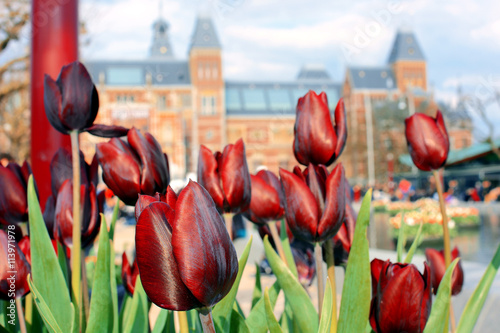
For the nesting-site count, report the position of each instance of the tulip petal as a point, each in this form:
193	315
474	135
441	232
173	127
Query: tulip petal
21	267
79	97
208	176
107	131
143	202
345	236
91	223
120	170
334	212
376	268
442	127
271	179
315	139
129	274
61	169
52	101
158	268
301	208
170	197
317	186
203	250
340	127
425	308
13	198
160	170
235	177
265	203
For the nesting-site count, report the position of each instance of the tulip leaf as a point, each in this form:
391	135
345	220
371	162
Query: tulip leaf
356	293
45	269
441	306
237	307
401	238
125	309
137	320
257	290
222	311
114	291
326	312
294	292
164	322
194	323
285	242
476	301
272	323
256	318
238	323
114	217
414	245
101	303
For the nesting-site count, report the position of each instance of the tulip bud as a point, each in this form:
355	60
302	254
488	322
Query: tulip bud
133	168
316	140
427	140
13	194
315	201
129	274
268	201
71	102
185	256
12	285
401	297
225	176
438	268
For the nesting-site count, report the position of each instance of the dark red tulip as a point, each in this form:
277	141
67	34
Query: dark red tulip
185	256
225	176
264	230
342	241
401	297
435	259
71	102
133	168
317	140
129	274
315	201
268	200
13	194
306	265
18	286
90	217
427	140
25	246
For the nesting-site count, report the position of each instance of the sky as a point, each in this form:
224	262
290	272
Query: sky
271	39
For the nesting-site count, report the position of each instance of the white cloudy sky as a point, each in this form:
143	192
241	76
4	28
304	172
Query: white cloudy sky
271	39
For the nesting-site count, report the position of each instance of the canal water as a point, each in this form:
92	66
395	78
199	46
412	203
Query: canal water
478	244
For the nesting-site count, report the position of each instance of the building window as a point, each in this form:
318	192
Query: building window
162	102
208	105
124	98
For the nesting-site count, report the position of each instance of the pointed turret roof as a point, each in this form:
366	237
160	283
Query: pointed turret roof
161	48
405	47
204	35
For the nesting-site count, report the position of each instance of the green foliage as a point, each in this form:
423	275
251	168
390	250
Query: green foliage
476	301
326	312
255	320
137	317
414	245
164	322
257	290
401	238
48	278
114	217
272	323
287	249
222	310
441	305
238	323
294	292
356	293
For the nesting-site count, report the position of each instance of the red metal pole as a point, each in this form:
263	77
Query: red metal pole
54	43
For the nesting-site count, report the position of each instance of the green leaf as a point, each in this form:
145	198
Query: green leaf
401	238
326	312
286	320
101	304
297	296
476	301
222	311
165	322
272	323
257	290
114	217
125	309
114	292
238	323
48	318
194	323
237	307
356	293
285	242
256	320
45	269
63	262
414	245
441	306
137	320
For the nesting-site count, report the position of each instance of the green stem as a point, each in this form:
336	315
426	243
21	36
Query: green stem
330	263
20	315
206	320
318	254
446	232
183	322
76	250
277	241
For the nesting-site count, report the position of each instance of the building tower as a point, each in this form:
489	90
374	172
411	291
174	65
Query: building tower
160	47
205	66
408	62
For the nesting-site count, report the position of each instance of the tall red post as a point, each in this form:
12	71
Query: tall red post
54	43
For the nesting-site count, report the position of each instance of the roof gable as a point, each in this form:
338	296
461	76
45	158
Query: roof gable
405	47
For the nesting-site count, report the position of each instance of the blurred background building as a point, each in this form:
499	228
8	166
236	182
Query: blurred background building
187	102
